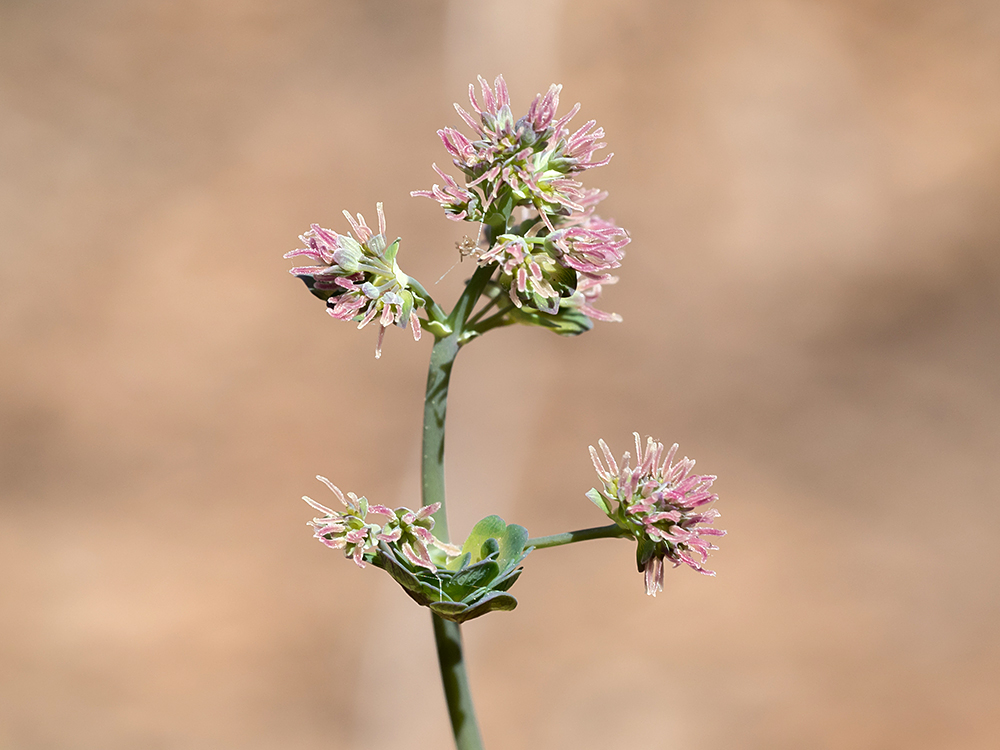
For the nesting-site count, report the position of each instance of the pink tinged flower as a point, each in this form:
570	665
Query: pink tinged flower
492	103
350	530
466	117
410	532
589	200
588	290
609	474
653	573
359	277
526	270
583	143
390	536
417	554
406	531
458	146
532	158
593	247
452	198
543	108
656	503
560	126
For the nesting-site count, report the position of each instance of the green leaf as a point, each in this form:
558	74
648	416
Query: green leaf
477	575
448	610
460	562
491	527
490	548
390	565
506	581
496	601
511	545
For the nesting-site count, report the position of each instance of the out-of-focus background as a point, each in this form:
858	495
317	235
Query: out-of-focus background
811	310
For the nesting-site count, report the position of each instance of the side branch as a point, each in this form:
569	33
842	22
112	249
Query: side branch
557	540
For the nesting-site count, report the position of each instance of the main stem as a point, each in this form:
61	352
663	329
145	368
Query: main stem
447	634
461	709
435	410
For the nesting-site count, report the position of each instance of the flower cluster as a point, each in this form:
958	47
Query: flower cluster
457	583
359	277
520	182
406	532
660	504
529	160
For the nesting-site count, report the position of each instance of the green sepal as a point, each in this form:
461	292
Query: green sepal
390	252
323	294
567	322
562	279
404	315
498	216
644	551
598	499
437	328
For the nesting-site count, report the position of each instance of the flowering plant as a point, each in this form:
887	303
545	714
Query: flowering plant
543	257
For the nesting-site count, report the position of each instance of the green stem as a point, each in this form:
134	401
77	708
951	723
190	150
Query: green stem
434	311
470	296
435	409
557	540
497	320
436	399
484	309
447	634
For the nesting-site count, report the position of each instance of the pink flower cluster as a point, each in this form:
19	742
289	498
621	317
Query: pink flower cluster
661	505
359	277
405	530
531	165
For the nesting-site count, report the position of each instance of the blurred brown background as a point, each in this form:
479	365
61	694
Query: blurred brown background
811	310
